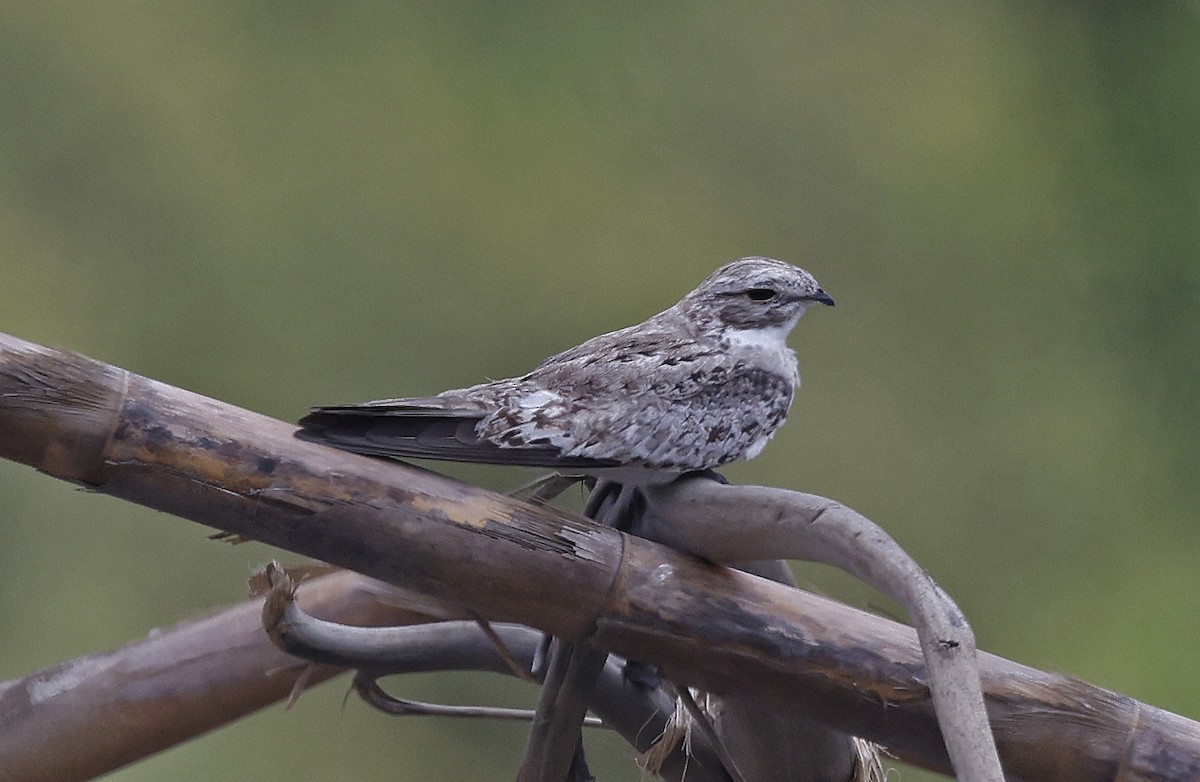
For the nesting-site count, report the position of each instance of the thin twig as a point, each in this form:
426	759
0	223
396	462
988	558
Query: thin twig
369	690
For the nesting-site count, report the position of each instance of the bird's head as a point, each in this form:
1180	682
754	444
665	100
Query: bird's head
754	293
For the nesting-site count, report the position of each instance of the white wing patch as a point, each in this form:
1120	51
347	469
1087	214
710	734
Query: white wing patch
539	399
535	417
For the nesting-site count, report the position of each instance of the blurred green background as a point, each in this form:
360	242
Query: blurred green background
285	204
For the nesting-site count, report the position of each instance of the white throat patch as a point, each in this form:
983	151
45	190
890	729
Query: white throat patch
764	337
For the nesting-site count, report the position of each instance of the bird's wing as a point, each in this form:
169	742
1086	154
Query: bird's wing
439	427
683	416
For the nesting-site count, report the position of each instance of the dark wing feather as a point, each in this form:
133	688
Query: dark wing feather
425	428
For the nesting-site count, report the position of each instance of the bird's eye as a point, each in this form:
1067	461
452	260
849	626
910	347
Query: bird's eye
760	294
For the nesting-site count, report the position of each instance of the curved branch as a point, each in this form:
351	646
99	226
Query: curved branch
696	515
639	714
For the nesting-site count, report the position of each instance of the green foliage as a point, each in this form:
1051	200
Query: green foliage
289	204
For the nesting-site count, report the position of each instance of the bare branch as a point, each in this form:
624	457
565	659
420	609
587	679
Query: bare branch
166	688
227	667
479	552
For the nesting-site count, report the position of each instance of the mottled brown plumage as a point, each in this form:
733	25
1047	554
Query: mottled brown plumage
702	384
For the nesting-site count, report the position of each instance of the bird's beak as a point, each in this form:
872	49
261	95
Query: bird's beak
822	297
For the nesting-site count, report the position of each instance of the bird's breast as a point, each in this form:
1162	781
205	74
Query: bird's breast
766	349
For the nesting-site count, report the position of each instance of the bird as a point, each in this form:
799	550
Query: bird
702	384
